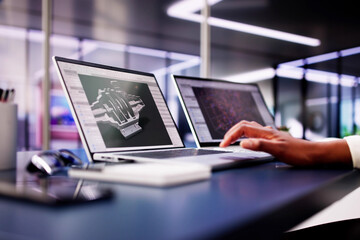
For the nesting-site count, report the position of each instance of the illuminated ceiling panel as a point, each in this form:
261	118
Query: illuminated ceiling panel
186	10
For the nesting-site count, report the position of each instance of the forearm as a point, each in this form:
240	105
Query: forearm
331	153
294	151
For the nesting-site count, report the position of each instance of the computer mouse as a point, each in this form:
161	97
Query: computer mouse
50	162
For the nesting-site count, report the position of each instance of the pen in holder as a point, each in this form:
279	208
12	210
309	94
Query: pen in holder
8	135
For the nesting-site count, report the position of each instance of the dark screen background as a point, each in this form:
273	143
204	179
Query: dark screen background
153	131
223	108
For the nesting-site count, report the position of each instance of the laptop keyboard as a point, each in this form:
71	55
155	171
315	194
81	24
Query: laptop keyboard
173	153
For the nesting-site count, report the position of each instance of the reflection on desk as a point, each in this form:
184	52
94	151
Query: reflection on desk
49	190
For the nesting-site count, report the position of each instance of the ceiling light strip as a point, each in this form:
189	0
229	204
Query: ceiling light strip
318	76
321	58
185	10
264	32
253	76
350	51
177	67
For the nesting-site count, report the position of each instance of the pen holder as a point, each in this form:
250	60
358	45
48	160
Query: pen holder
8	135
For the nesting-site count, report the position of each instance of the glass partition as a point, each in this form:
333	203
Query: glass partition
23	70
325	92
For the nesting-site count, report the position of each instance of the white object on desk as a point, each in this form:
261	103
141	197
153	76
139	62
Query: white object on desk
149	174
343	209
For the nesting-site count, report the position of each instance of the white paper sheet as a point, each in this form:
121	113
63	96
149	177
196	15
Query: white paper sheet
344	209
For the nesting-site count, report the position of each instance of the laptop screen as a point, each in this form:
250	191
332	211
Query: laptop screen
214	106
117	109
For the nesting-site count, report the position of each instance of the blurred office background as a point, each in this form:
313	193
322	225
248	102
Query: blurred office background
310	83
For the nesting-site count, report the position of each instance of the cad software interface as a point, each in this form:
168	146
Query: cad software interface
119	111
215	106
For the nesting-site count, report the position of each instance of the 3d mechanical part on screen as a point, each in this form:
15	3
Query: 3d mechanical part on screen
119	109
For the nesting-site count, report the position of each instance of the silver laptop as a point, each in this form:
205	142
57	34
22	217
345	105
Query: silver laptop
122	115
212	107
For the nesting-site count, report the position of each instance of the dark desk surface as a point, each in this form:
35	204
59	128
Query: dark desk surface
257	201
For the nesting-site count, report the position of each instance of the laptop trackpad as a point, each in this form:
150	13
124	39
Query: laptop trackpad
237	158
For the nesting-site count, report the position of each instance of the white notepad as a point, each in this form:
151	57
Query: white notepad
148	174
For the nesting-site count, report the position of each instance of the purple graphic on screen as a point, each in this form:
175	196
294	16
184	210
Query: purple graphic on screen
223	108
